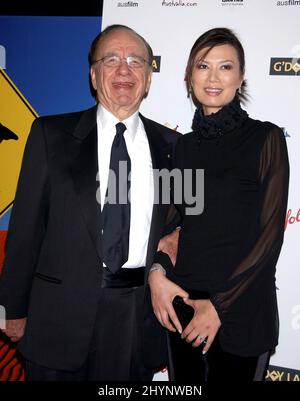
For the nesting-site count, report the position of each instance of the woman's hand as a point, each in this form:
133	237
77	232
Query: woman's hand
163	291
204	325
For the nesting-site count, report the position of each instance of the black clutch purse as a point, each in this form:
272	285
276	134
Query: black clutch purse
183	311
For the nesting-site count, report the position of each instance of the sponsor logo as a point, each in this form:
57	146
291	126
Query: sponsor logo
156	63
277	373
179	3
284	66
288	3
232	2
290	219
2	57
127	4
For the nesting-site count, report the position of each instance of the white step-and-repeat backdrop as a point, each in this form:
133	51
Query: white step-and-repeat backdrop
270	33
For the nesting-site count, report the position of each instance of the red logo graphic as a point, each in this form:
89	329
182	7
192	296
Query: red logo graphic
291	219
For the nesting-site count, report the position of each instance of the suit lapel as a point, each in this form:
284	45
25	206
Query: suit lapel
84	161
161	152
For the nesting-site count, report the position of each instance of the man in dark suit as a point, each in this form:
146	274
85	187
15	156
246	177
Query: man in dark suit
73	284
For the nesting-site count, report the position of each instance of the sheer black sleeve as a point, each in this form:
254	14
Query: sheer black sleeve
266	237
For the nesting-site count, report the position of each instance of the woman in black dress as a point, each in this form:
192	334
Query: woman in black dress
227	255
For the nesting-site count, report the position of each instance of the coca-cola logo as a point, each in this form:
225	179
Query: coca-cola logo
291	219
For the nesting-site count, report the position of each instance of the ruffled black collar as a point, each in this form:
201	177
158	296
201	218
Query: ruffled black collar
215	125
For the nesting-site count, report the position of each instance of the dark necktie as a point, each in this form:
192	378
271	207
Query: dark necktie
116	210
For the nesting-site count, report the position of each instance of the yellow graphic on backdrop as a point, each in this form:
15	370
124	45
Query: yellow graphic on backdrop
16	117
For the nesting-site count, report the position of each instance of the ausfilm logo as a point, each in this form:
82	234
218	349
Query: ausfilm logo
127	4
288	3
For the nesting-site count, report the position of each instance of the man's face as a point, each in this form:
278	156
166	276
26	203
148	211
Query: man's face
121	89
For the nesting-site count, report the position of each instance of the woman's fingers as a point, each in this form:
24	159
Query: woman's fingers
200	340
190	334
207	344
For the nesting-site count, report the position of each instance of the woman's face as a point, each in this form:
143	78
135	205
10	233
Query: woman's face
216	77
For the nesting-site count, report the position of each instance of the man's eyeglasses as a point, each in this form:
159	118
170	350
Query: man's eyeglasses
113	61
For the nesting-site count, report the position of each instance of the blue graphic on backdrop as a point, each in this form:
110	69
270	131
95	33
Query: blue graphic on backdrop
47	59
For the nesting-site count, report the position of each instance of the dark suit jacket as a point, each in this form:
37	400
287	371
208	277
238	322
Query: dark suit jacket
52	270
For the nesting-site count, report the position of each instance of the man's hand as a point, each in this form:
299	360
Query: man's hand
15	329
163	291
169	245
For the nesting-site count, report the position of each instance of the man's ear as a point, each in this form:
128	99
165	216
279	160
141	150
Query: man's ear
93	77
148	84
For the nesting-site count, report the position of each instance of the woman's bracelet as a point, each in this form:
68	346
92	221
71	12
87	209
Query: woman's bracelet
157	266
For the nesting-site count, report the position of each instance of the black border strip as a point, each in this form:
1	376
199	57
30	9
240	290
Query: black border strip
51	8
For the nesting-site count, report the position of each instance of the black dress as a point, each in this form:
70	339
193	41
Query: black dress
231	249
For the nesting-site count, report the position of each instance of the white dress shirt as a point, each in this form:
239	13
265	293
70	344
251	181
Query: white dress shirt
141	187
